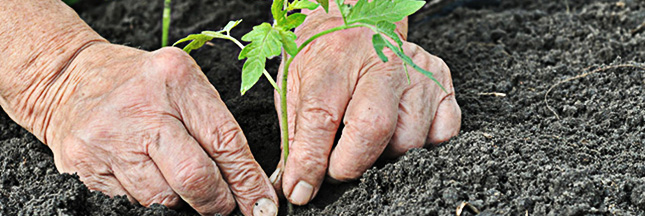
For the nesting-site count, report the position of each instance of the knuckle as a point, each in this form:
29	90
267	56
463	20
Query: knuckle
309	158
370	126
244	178
321	117
193	176
173	63
230	140
78	158
441	64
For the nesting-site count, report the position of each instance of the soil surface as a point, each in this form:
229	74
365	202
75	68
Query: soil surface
515	155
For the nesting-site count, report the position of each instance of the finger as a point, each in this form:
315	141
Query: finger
107	184
419	102
142	179
75	157
223	140
369	122
325	90
425	105
447	121
189	171
212	125
414	119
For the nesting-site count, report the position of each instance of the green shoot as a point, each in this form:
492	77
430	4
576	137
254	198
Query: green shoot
269	40
166	23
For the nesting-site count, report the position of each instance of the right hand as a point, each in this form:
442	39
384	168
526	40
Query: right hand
149	125
339	78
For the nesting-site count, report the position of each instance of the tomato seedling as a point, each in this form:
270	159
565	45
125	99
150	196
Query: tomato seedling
269	40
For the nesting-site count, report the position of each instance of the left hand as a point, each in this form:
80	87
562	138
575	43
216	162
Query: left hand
340	76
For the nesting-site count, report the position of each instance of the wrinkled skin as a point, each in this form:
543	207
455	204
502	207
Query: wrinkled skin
339	77
151	126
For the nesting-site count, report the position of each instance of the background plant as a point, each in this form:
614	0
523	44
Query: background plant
269	40
165	23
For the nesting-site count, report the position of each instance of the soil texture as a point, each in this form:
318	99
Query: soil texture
551	93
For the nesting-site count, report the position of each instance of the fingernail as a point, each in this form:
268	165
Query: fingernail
265	207
301	193
274	176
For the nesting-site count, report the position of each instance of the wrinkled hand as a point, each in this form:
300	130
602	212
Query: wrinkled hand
149	125
340	77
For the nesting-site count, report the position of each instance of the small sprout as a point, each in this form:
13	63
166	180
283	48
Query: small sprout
267	41
166	23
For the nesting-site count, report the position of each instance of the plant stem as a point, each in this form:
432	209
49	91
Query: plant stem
166	23
331	30
284	121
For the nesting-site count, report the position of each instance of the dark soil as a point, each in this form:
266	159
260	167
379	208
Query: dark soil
514	156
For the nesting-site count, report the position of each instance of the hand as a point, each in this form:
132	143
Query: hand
149	125
339	76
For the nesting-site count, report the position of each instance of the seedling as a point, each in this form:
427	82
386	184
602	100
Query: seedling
166	23
269	40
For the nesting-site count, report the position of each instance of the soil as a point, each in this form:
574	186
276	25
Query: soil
514	156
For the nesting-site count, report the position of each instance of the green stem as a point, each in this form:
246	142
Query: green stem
284	120
284	123
166	23
331	30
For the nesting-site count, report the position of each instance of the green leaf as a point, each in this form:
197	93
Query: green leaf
379	44
293	21
344	9
277	10
382	10
407	60
388	29
231	25
197	41
288	39
303	4
324	4
267	42
251	72
214	34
